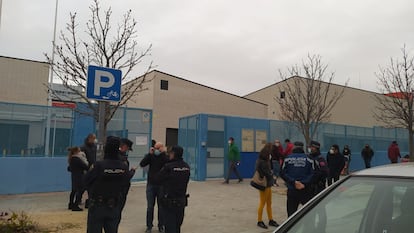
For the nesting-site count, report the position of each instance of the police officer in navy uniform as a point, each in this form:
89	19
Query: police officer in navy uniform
173	178
106	181
297	171
124	148
321	170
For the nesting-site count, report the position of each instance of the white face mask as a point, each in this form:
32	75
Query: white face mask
309	150
331	151
229	142
277	144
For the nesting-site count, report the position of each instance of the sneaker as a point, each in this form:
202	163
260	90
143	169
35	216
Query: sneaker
148	230
240	180
87	204
161	229
70	206
261	225
76	208
226	182
273	223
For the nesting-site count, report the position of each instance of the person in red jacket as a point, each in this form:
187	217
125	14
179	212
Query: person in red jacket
289	148
394	152
277	156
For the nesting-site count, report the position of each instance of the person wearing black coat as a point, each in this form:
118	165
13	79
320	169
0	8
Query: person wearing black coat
367	153
125	146
89	148
106	181
156	160
173	179
78	165
336	162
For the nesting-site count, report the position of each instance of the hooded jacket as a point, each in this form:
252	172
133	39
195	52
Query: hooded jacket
394	152
289	149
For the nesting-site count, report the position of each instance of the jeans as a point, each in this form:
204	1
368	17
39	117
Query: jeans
367	162
103	217
153	194
233	168
276	167
174	219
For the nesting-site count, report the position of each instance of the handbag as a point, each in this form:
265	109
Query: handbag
258	182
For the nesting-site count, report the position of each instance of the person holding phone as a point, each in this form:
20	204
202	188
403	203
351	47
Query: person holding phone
155	159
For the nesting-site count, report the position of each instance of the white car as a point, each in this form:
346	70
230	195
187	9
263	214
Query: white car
375	200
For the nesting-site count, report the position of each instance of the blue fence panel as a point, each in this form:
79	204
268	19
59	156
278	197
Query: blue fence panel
23	135
33	175
327	134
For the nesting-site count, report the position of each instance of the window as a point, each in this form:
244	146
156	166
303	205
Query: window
164	85
282	94
361	205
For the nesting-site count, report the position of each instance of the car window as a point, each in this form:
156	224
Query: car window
359	205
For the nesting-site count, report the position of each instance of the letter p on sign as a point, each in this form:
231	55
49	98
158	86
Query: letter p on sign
103	84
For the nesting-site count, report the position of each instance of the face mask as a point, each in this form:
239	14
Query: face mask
229	142
277	144
309	150
157	152
331	151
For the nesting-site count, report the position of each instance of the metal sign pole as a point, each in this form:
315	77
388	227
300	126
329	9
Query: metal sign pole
104	85
101	132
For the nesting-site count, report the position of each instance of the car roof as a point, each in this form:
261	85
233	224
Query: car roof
391	170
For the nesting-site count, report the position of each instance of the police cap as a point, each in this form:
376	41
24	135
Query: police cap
126	141
315	144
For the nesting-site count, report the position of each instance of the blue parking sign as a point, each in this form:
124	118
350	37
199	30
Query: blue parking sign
103	84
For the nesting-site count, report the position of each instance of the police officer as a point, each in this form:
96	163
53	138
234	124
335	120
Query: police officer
106	181
321	170
173	178
124	148
297	171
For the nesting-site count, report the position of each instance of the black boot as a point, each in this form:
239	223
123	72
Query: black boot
261	225
70	205
273	223
76	208
87	203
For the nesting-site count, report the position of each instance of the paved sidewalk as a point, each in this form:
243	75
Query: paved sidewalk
213	207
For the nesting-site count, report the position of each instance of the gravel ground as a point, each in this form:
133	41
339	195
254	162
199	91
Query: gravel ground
213	207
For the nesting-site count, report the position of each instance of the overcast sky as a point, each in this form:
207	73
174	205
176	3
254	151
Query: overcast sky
235	45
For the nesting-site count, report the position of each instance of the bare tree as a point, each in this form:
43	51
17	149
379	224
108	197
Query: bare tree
397	82
308	96
100	45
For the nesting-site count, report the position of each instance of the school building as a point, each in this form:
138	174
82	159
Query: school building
171	109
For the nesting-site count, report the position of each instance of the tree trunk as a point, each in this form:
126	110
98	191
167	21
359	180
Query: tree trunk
411	144
307	137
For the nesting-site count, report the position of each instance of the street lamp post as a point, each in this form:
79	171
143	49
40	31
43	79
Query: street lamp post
50	86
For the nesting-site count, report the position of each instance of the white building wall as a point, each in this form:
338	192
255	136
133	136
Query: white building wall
23	81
